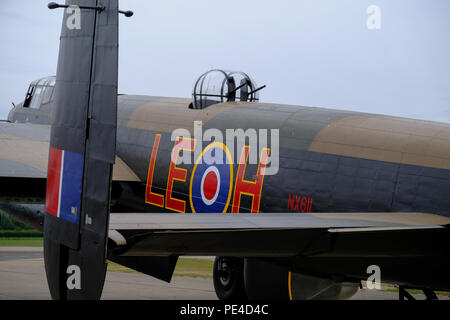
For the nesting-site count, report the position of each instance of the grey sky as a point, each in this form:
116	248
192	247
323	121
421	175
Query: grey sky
315	53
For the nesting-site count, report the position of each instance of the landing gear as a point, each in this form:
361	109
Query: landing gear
228	276
430	294
405	295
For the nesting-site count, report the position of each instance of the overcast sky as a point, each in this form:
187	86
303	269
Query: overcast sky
314	53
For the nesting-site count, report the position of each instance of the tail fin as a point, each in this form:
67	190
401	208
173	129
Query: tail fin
82	150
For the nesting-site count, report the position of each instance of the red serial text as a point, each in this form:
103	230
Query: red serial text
299	203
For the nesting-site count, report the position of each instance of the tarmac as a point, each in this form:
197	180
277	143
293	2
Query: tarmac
22	277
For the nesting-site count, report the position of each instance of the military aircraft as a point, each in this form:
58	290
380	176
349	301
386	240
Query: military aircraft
332	198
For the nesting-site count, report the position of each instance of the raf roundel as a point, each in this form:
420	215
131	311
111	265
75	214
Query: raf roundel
211	180
210	185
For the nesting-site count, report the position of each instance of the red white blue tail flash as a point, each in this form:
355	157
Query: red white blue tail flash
65	174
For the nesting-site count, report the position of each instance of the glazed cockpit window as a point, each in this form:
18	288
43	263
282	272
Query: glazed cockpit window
37	98
47	95
40	92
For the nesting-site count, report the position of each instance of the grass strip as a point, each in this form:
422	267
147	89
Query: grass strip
186	267
21	242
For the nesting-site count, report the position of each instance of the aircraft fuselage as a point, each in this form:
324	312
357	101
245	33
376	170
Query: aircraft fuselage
329	160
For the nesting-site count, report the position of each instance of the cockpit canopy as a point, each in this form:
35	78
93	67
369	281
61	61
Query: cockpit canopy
40	92
218	86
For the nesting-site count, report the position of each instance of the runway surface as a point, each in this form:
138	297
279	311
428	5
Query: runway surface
22	276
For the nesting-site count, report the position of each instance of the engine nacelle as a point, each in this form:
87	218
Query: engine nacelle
268	281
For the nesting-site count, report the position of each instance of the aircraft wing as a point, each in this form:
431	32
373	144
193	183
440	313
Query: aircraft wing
408	247
24	153
267	234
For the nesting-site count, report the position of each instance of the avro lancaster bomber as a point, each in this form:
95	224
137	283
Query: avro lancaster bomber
294	202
